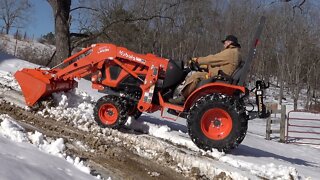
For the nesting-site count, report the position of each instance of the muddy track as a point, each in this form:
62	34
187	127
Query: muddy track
104	155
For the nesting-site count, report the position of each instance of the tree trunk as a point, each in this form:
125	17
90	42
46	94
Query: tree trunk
281	69
61	11
296	88
308	104
281	89
7	28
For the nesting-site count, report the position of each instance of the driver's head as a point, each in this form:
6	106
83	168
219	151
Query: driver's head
231	40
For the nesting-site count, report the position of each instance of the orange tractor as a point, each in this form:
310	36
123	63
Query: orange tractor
215	112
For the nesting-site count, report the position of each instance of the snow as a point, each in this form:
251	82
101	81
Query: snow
29	156
25	47
74	106
254	158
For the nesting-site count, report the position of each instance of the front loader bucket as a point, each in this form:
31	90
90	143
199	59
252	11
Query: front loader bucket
36	84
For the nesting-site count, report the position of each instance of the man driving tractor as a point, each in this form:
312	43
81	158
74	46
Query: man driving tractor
226	60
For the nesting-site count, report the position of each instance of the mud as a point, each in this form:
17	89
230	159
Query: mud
103	155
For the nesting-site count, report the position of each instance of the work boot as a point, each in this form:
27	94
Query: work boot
178	100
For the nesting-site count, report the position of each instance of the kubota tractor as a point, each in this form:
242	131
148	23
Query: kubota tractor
215	112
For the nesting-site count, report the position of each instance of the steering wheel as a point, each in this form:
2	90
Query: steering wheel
194	66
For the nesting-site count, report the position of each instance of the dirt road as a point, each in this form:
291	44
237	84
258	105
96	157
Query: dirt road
107	157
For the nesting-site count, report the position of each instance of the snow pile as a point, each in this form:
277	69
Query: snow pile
11	130
161	131
36	138
269	170
6	79
55	147
78	163
74	106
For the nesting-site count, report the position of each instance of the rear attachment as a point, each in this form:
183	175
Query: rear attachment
36	84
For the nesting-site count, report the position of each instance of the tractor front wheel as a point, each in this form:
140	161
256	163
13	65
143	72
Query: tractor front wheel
214	122
110	111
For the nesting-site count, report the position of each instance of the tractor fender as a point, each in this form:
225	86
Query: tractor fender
216	87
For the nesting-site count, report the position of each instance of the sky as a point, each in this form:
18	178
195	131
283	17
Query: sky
41	21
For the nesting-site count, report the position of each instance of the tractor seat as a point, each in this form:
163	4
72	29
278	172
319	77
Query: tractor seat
223	77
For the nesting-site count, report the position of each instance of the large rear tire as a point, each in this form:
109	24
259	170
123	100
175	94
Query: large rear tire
111	111
215	121
243	132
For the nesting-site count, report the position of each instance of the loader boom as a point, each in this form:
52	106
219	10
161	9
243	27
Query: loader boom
107	64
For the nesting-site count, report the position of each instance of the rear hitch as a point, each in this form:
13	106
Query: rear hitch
262	110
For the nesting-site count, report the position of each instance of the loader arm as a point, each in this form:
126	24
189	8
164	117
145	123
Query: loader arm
94	58
99	61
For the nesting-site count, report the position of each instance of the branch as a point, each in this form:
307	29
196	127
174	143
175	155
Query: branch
171	6
83	7
146	18
119	21
80	35
299	6
295	6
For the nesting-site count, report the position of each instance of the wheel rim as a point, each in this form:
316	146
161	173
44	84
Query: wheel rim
216	124
108	114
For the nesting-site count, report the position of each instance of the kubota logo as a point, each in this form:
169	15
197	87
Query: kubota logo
131	57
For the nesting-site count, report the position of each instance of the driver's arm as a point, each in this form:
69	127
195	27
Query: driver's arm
218	59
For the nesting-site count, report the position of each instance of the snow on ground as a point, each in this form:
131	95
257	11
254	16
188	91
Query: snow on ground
255	156
31	156
24	47
74	106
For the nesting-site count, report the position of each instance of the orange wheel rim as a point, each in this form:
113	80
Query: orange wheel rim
216	124
108	114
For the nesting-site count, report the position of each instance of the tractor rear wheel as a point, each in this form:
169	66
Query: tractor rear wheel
215	121
243	132
110	111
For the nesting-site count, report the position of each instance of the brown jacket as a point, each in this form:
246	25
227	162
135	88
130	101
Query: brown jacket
226	60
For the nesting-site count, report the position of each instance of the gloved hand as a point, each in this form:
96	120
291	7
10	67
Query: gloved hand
192	60
193	64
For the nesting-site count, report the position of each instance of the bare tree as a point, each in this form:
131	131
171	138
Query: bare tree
61	12
14	13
